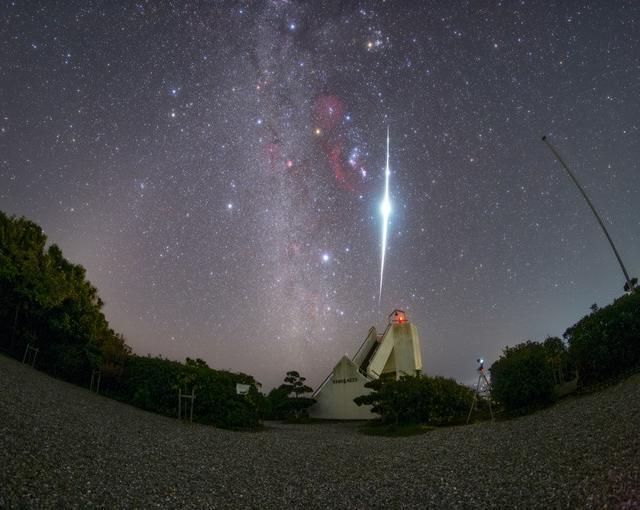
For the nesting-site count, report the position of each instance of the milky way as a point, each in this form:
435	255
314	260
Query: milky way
218	168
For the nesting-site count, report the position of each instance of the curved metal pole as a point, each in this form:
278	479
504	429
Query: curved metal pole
593	209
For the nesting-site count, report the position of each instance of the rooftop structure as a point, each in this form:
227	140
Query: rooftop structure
396	351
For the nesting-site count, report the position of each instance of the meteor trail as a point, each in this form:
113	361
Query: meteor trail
385	208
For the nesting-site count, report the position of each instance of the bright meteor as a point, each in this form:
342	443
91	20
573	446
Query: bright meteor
385	209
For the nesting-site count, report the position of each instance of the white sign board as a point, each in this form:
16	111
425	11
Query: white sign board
242	389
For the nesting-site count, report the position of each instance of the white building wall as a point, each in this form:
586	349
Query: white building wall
397	352
406	349
334	399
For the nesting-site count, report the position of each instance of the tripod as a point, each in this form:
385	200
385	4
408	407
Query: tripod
483	388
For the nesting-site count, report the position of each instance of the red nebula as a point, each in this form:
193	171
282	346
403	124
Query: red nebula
348	176
336	161
328	116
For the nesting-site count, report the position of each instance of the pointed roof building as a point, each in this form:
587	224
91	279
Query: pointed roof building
395	352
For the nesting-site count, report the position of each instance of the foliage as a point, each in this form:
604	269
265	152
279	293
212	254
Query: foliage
276	402
294	382
281	405
296	409
606	343
417	399
46	301
557	356
601	346
523	377
153	384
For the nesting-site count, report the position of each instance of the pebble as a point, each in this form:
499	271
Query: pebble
64	447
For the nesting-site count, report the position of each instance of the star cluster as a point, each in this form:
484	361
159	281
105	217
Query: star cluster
218	168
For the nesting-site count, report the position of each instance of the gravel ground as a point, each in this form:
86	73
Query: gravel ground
63	447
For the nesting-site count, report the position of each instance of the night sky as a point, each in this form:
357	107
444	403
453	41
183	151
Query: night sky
218	168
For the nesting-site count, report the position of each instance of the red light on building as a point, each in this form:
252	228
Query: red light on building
398	317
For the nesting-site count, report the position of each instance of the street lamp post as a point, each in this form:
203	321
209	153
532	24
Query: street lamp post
593	209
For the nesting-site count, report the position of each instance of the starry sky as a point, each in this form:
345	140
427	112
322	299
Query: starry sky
218	168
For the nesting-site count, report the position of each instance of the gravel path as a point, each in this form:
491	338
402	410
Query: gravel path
62	447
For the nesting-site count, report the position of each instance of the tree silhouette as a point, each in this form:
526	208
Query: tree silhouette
285	406
295	383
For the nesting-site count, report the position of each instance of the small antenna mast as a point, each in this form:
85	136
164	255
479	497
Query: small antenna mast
593	209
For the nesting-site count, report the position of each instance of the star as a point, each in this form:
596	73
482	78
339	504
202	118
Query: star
249	143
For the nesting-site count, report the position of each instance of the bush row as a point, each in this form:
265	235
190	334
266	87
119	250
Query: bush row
152	383
606	343
47	302
418	399
599	347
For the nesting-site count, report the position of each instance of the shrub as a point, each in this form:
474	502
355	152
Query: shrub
606	343
418	399
281	405
47	302
558	357
275	403
523	377
153	383
449	402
